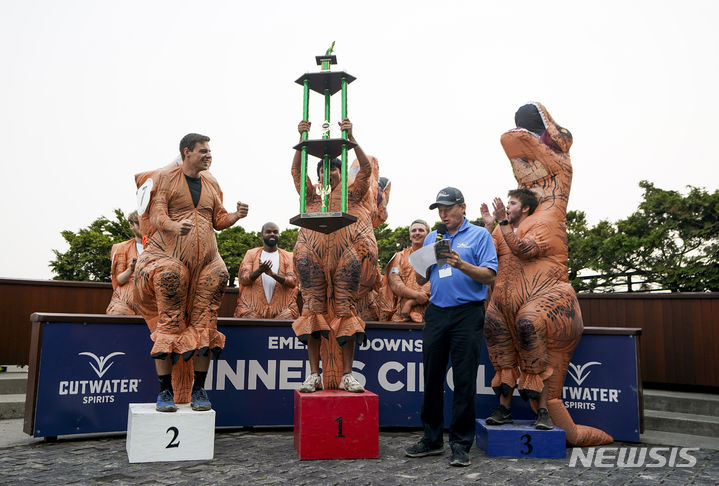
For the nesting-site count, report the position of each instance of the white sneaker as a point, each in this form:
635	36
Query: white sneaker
311	384
350	384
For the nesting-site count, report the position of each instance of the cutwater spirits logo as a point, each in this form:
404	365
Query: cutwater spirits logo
100	390
577	372
586	397
101	361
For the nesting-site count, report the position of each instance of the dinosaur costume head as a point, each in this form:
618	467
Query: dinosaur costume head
535	118
538	150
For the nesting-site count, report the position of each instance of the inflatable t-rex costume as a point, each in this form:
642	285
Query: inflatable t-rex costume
534	321
179	280
336	269
121	302
370	298
251	300
400	261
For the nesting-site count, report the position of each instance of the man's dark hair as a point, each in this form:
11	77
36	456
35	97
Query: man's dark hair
526	198
333	163
190	140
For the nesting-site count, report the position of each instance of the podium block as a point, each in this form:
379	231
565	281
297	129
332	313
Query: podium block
335	424
520	439
184	435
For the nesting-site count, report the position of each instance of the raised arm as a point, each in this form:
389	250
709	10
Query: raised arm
303	126
523	248
362	181
221	219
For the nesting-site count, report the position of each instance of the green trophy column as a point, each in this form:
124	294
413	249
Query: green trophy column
303	166
326	188
344	147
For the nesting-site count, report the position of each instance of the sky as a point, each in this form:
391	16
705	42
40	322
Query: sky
92	92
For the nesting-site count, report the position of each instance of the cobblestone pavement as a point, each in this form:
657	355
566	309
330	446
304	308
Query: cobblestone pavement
268	457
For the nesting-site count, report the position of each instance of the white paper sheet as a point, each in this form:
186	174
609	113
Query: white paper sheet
423	258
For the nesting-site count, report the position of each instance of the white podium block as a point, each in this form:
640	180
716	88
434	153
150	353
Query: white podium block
184	435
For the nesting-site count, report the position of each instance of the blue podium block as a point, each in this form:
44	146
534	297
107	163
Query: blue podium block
520	439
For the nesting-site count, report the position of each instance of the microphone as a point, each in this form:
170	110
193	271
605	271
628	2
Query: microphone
442	245
441	231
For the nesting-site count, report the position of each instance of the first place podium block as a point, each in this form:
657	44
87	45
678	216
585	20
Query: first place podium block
520	439
184	435
335	424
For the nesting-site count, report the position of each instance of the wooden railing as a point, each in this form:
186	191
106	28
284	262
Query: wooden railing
680	332
679	343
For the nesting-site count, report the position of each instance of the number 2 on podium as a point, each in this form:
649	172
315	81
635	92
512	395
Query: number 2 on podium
174	437
339	427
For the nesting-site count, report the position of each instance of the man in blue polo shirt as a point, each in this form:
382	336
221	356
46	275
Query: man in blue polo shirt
454	325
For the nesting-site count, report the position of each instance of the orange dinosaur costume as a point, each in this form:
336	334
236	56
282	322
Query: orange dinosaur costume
401	262
251	299
373	210
330	266
179	279
534	322
121	302
337	269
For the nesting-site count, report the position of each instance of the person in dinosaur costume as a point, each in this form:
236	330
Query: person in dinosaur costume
330	268
267	284
373	210
123	257
410	299
534	322
183	373
180	277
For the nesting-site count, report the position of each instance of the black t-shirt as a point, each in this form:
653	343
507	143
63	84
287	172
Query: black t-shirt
195	184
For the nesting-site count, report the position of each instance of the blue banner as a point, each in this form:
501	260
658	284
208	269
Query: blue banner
89	373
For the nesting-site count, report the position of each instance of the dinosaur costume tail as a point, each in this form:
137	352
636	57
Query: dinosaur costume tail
577	435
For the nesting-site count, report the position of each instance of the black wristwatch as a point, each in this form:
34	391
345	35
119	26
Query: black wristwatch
504	222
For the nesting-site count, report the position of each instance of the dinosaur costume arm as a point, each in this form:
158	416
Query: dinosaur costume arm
532	245
361	183
394	280
221	219
159	216
287	269
246	267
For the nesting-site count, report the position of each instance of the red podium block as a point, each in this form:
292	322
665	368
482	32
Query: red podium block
335	424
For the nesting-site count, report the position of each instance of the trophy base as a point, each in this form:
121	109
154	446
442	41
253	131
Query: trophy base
323	222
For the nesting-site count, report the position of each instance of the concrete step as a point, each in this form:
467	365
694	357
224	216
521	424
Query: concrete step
13	383
12	406
692	403
669	439
681	423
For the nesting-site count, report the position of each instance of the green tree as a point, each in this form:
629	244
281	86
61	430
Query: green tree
288	238
676	238
233	243
390	242
671	242
88	257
